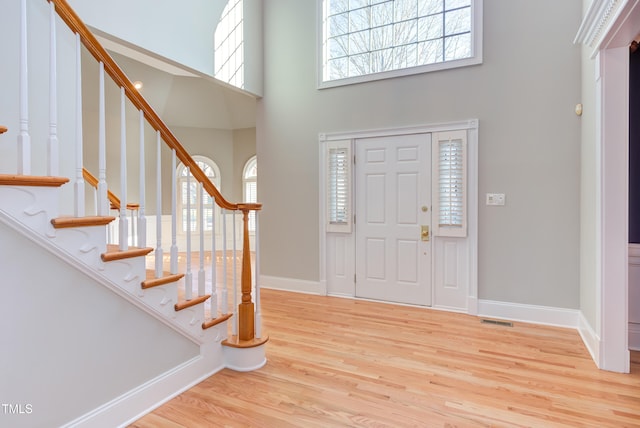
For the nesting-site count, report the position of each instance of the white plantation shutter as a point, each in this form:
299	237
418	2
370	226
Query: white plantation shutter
450	183
339	186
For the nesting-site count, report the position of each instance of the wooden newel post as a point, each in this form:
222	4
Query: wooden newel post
246	311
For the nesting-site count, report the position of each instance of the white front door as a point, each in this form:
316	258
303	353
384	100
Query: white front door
393	210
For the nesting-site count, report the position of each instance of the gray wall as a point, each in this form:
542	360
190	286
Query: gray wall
244	148
524	96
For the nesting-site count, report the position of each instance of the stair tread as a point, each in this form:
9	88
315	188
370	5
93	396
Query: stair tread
166	278
215	321
114	253
32	180
62	222
183	304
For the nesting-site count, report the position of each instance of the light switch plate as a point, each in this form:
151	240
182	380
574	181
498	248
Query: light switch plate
495	198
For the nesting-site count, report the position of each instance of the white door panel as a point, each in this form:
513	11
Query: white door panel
393	199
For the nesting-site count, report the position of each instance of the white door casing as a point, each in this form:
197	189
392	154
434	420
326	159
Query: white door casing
393	208
454	272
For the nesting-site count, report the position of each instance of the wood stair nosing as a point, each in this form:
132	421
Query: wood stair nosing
235	342
63	222
114	253
184	304
32	180
216	321
166	278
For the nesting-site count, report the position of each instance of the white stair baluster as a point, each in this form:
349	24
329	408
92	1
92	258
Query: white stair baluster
174	219
78	185
225	288
201	289
158	252
258	319
103	202
124	229
24	139
214	261
142	219
234	275
188	277
53	162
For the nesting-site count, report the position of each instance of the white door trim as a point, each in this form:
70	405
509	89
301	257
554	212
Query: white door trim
608	27
348	290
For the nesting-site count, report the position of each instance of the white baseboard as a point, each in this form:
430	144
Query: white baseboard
634	336
138	402
589	337
292	284
546	315
472	305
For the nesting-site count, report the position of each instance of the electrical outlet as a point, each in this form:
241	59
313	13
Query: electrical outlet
495	198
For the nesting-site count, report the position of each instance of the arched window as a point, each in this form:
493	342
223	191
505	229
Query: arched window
229	46
250	188
212	171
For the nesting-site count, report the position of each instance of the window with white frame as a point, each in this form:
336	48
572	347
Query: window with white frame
229	45
189	195
375	39
450	183
250	188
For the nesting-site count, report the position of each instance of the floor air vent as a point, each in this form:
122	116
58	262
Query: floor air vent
496	322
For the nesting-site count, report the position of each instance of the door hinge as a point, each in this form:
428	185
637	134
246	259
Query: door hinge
354	219
354	159
354	278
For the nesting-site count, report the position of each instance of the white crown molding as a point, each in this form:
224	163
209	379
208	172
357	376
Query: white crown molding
600	15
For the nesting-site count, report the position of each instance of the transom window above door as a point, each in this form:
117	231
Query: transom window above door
375	39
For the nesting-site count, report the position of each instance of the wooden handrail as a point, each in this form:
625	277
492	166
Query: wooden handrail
3	129
94	47
93	181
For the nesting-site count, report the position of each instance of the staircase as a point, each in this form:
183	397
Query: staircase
167	330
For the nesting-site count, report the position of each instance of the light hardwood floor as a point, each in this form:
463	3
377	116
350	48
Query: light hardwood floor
336	362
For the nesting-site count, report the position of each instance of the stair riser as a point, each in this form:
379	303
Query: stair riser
162	298
128	274
32	206
86	243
